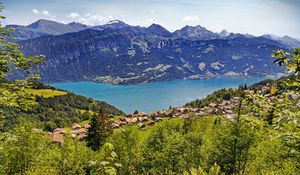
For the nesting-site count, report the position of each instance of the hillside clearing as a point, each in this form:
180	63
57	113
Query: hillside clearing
46	93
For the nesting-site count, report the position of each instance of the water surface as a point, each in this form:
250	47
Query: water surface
153	96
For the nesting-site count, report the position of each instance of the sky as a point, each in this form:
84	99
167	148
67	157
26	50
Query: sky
256	17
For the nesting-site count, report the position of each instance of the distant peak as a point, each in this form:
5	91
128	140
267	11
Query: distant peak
287	37
153	25
40	22
156	26
224	33
158	30
197	27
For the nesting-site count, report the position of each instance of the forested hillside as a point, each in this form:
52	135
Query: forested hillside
53	109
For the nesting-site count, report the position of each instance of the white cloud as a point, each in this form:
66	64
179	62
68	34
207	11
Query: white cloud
152	11
46	13
93	19
35	11
43	14
73	15
190	19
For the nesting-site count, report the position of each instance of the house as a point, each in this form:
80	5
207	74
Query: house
150	122
60	130
169	112
213	105
142	114
134	119
158	119
155	114
115	125
86	126
141	125
142	119
75	126
183	110
82	137
57	138
123	119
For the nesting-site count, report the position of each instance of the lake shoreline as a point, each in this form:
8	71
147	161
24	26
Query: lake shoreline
153	96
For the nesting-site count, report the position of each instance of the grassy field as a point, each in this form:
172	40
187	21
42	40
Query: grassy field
46	93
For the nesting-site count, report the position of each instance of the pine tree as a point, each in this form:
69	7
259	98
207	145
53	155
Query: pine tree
99	131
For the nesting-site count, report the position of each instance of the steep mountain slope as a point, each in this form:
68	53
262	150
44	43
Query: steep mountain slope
135	55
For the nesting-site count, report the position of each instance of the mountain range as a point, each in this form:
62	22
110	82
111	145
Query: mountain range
119	53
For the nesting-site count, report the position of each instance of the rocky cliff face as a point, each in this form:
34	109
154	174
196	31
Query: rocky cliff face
128	54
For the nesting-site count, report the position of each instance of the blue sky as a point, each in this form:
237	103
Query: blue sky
280	17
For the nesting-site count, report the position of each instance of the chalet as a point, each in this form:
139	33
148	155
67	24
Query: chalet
115	125
158	119
123	119
212	105
86	126
142	119
194	110
183	110
141	125
169	112
82	137
142	114
75	126
155	114
150	122
134	119
57	138
60	131
230	116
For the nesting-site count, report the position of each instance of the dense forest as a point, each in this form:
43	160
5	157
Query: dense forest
262	138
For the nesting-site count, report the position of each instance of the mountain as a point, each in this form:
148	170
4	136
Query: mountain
158	30
78	26
43	27
135	55
195	33
224	33
114	25
286	40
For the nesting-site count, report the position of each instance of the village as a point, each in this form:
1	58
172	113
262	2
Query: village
144	120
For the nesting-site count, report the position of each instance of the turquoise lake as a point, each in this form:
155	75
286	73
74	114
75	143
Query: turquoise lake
153	96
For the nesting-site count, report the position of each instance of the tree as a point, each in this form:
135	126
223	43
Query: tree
11	60
99	131
290	59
